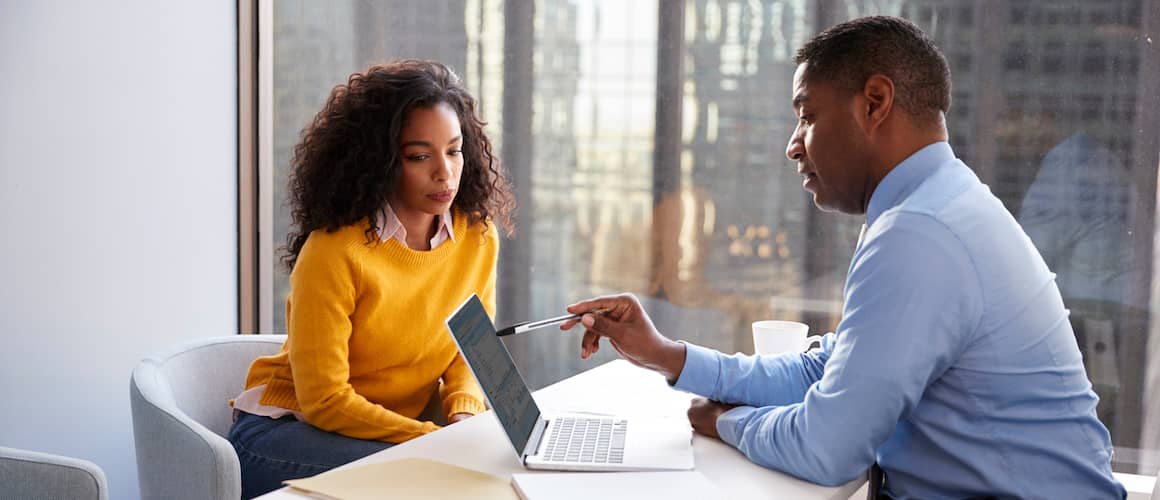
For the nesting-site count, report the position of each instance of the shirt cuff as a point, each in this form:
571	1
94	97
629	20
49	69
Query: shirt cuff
728	424
702	371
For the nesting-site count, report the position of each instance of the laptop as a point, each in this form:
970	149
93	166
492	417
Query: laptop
573	442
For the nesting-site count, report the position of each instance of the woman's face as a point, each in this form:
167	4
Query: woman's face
431	159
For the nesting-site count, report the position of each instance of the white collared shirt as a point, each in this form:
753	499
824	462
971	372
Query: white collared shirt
392	227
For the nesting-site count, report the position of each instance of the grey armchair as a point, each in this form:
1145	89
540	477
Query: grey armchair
181	416
29	474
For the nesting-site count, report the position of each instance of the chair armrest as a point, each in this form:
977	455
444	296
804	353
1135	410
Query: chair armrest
177	457
29	474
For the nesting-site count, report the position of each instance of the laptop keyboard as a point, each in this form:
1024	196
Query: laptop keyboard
586	440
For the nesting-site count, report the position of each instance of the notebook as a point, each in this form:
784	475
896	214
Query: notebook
405	478
578	442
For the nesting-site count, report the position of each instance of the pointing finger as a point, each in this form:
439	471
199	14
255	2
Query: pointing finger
601	325
589	345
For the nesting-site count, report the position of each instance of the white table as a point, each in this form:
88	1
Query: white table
479	443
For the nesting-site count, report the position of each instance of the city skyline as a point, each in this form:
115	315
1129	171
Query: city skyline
731	237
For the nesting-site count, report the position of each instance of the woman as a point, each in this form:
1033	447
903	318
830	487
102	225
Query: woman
392	194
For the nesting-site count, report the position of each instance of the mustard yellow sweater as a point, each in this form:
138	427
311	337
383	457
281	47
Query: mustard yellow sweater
367	341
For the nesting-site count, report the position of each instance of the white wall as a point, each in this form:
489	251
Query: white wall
118	211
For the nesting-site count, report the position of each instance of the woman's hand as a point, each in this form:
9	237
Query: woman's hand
458	417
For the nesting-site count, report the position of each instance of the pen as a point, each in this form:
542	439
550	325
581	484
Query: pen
532	325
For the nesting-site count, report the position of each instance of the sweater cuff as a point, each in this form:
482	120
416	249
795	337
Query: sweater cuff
462	403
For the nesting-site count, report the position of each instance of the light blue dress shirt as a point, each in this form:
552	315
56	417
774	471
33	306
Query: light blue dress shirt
954	366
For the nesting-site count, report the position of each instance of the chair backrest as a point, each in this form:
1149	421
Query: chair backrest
28	474
181	415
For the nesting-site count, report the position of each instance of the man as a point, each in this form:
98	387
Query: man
954	367
1079	214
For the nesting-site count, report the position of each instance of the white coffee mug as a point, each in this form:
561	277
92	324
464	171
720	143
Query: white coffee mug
776	337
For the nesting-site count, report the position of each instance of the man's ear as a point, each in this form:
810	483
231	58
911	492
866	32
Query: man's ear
879	95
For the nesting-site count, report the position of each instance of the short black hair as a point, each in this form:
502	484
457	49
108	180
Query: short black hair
848	54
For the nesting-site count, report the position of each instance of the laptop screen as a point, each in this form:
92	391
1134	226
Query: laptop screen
493	367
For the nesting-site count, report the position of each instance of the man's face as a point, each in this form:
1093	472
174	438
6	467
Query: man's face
831	150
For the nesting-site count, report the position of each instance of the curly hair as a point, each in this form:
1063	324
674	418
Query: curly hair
347	163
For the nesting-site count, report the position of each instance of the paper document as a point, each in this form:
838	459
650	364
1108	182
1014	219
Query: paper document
616	485
406	478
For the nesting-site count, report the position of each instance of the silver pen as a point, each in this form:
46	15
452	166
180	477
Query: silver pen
533	325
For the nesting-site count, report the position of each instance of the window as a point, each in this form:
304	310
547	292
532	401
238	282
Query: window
646	141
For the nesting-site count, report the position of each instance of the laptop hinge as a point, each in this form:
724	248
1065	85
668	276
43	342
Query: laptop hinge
534	439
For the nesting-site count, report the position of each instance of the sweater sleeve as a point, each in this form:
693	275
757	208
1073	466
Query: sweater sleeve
323	291
460	392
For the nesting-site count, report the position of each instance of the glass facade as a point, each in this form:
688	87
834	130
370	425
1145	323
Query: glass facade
646	141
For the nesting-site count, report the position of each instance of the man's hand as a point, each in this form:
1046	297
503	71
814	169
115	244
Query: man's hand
458	417
703	415
631	333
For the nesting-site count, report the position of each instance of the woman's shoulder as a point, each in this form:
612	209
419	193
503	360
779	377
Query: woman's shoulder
483	229
346	239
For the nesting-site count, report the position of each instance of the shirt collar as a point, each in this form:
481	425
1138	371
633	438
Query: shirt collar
905	177
392	227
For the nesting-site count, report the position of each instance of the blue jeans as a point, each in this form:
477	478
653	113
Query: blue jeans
273	450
